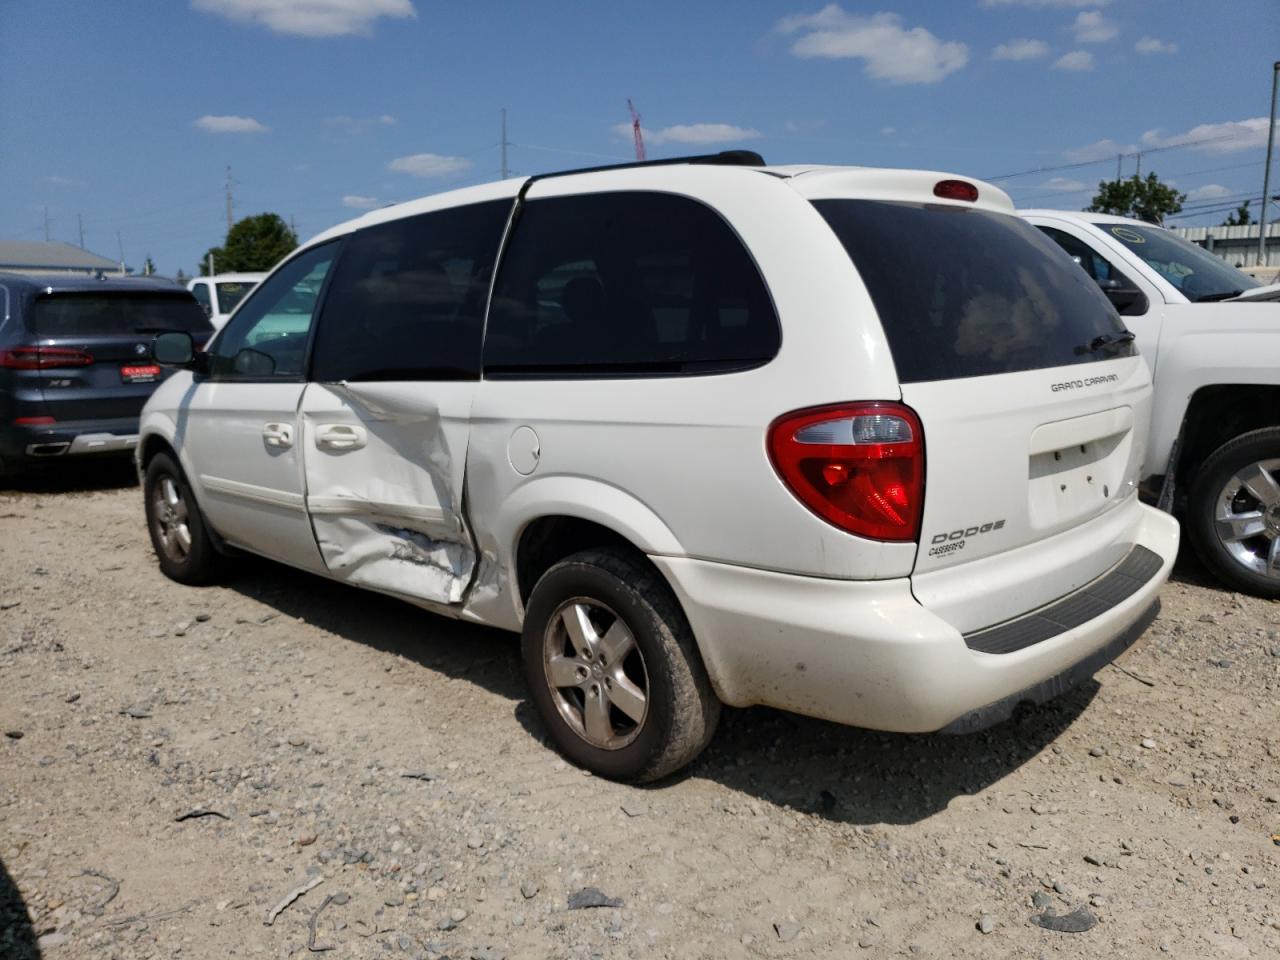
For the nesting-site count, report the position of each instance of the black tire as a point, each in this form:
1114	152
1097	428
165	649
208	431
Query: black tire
198	562
1213	481
680	710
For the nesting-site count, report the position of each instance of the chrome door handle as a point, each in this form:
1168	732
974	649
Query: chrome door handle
340	436
277	435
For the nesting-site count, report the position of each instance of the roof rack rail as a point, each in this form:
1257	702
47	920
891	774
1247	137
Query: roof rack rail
728	158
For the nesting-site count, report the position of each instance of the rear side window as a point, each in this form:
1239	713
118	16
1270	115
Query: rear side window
407	298
626	284
230	293
201	292
970	293
124	314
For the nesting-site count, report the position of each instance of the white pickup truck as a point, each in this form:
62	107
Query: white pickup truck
1211	335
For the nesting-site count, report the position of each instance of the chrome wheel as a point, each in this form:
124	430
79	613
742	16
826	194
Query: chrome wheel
1247	518
596	673
169	517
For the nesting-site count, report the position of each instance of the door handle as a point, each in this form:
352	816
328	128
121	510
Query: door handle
277	435
340	436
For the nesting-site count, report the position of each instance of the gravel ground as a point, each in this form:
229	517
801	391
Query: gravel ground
177	762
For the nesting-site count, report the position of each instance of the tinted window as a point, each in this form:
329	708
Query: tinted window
127	314
970	293
616	284
1095	265
267	338
230	293
407	298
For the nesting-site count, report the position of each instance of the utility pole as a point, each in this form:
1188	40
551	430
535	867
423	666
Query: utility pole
1119	157
1266	176
80	221
211	270
292	227
120	244
46	224
1138	170
228	198
505	171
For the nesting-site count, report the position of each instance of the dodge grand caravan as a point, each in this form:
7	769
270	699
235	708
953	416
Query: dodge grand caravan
855	443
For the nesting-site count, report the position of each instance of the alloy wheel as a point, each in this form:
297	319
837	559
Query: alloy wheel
1247	517
169	515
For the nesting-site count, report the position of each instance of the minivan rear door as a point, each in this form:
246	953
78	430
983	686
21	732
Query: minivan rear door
386	418
95	348
1033	402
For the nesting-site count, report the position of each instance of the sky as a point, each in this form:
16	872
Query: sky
122	117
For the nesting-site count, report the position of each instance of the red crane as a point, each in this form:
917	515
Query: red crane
635	130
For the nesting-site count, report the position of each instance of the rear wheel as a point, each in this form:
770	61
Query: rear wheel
178	532
1234	513
613	669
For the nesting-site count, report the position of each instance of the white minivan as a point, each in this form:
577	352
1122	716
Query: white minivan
855	443
221	294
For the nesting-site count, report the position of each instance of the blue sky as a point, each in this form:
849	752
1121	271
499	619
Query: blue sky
126	114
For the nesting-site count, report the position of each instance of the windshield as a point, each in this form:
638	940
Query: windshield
230	293
1198	274
98	314
971	293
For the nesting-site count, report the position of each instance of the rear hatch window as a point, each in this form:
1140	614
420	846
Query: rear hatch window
125	314
970	293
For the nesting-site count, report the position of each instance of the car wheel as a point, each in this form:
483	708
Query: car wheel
613	669
1234	513
178	531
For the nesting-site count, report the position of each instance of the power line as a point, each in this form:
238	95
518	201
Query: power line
1107	159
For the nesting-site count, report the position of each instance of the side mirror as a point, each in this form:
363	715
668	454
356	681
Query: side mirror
174	348
1128	300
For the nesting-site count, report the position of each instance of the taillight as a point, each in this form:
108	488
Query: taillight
955	190
34	421
42	358
859	466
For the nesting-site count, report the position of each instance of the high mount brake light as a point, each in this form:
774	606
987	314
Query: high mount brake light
859	466
955	190
43	358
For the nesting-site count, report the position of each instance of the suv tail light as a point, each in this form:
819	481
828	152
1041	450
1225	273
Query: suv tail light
859	466
42	358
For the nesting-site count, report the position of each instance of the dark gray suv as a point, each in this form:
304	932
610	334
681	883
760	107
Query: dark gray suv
75	364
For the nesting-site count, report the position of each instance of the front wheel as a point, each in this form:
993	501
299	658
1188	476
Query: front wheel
1234	513
177	528
613	669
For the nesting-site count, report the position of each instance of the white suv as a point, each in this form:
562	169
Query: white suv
855	443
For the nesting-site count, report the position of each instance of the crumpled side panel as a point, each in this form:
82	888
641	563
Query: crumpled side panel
388	513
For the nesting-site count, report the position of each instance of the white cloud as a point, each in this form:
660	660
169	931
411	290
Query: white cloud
356	202
1078	60
230	124
1063	185
888	131
58	181
888	51
1099	150
1020	49
428	165
1210	191
309	18
1045	3
1092	27
356	125
1230	136
692	133
1152	45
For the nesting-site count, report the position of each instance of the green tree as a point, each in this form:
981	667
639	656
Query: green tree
1144	198
253	244
1240	218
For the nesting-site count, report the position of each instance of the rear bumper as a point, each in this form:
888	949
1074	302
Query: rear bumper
23	443
868	654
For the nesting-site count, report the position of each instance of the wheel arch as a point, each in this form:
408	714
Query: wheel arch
1218	413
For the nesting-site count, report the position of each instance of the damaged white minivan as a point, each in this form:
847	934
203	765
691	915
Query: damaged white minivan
855	443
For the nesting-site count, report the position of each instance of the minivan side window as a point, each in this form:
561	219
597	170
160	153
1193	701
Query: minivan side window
626	284
407	298
267	338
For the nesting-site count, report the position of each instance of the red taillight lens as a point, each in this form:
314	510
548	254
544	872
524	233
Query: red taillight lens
955	190
42	358
859	466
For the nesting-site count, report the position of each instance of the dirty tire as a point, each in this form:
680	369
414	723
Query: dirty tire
200	563
682	709
1202	503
